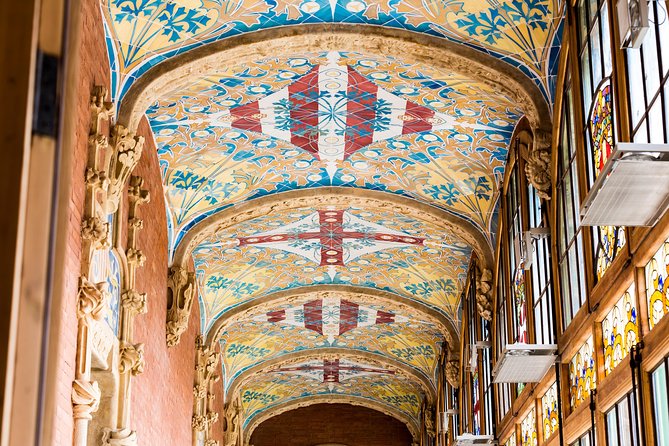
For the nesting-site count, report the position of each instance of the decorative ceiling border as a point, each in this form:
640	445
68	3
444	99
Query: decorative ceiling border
369	39
349	292
258	419
375	359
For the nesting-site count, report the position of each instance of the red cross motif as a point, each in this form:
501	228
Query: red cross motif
332	370
331	236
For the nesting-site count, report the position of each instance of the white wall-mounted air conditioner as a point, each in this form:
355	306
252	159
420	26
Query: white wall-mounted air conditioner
632	189
632	22
470	440
524	363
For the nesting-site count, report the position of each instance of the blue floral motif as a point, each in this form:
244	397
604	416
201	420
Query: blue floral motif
176	20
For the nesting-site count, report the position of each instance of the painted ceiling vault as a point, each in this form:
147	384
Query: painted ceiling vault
331	201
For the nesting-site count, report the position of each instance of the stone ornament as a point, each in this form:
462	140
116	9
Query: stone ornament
538	166
180	294
92	302
452	372
483	293
119	438
85	399
132	359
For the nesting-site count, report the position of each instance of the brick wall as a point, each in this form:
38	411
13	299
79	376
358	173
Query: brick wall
162	397
92	70
331	423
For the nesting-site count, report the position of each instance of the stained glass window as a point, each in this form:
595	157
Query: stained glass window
521	303
601	126
582	374
657	272
528	430
609	239
549	408
620	330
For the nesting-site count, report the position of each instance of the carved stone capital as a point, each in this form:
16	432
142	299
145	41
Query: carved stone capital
211	443
483	293
96	231
452	372
92	300
538	166
180	291
124	437
126	149
131	359
85	399
134	302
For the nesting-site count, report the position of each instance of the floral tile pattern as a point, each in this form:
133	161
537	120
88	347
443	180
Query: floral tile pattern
142	33
376	124
297	248
331	378
333	323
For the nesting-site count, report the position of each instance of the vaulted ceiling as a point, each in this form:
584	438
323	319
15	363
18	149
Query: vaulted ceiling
330	168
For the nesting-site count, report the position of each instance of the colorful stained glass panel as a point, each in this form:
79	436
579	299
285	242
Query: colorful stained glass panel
608	239
657	272
620	330
528	430
582	374
521	304
511	441
549	408
601	126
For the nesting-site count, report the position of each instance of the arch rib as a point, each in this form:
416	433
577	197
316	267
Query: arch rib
334	353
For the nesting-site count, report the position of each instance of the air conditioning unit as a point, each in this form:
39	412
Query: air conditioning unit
470	440
524	363
632	189
632	22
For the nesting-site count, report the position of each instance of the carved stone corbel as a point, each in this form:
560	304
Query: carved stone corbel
429	422
125	154
180	293
452	372
131	359
92	301
483	293
85	399
538	166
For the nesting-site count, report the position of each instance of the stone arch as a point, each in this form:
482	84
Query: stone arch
256	420
292	358
332	196
356	293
